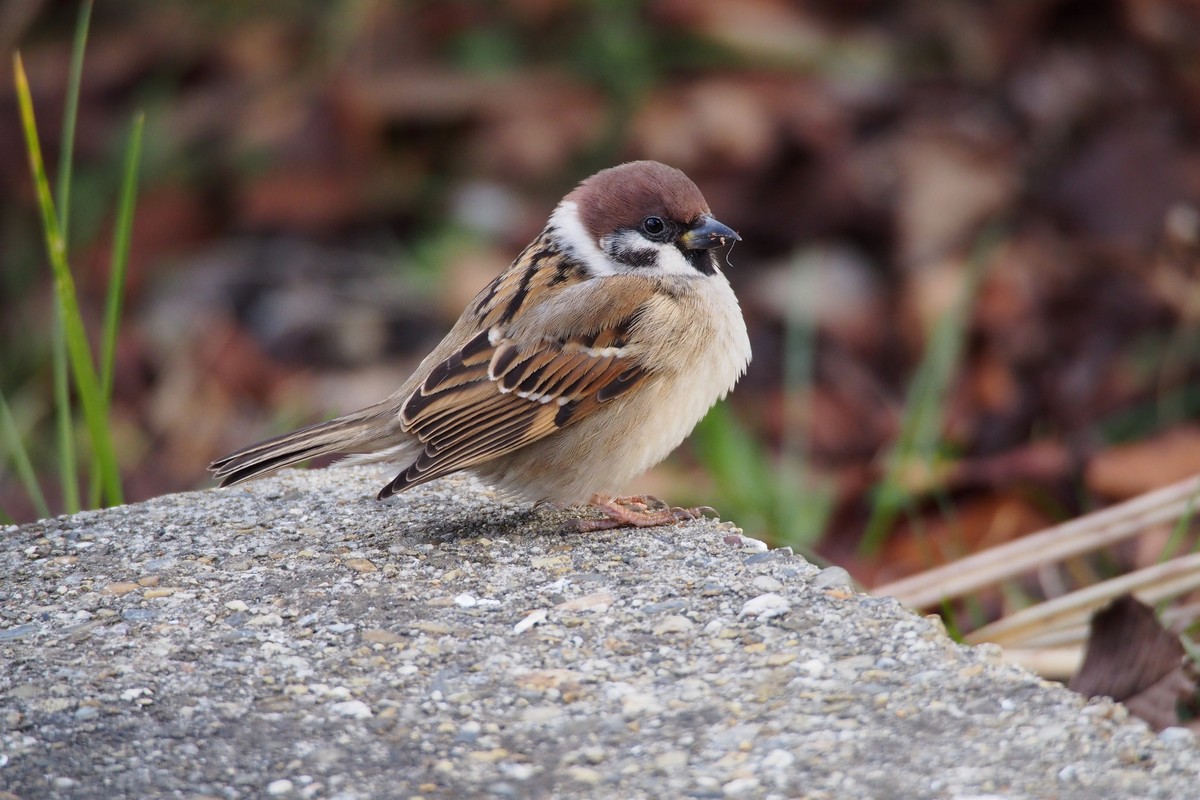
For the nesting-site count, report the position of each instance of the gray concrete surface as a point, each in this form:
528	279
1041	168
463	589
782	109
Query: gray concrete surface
295	638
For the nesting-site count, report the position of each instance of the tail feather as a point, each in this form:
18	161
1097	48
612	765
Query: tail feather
363	431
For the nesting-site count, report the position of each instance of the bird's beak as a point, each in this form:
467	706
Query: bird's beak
707	233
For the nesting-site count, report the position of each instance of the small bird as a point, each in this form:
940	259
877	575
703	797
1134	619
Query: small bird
578	368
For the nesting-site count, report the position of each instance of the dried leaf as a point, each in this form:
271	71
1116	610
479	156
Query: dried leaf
1130	469
1133	659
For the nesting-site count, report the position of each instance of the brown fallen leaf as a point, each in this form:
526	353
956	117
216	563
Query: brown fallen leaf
1131	469
1133	659
1159	703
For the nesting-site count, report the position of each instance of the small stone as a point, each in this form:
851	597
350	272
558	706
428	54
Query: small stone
675	623
972	671
281	786
433	628
549	562
237	605
355	709
18	631
765	583
518	772
381	636
360	565
833	578
543	679
665	605
541	714
468	732
55	705
149	581
780	659
1175	734
489	756
584	775
465	601
153	594
120	589
765	606
531	619
778	759
740	786
815	667
754	545
671	759
138	614
597	601
640	703
266	621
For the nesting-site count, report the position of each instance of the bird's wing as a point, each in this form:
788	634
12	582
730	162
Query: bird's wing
524	375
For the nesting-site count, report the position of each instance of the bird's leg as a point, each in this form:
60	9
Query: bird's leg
637	512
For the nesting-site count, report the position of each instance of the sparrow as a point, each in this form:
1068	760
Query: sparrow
575	370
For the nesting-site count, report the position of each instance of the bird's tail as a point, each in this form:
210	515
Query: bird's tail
364	431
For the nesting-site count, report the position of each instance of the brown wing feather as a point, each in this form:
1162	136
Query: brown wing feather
496	394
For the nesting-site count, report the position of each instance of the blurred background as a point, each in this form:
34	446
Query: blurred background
969	259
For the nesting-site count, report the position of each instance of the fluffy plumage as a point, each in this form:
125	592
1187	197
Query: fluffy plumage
579	367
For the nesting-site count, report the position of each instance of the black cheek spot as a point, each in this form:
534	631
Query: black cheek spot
638	259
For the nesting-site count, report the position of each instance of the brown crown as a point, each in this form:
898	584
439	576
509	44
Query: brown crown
622	196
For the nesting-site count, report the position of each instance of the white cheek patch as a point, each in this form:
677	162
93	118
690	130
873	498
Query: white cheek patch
573	237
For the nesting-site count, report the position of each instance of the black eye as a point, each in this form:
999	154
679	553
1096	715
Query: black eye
653	226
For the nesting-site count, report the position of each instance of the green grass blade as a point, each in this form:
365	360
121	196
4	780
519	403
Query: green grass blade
64	418
68	470
778	501
921	427
70	113
118	268
120	253
82	366
20	458
731	458
1179	533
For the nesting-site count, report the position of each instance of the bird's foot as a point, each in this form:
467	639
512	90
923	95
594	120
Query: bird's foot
638	511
